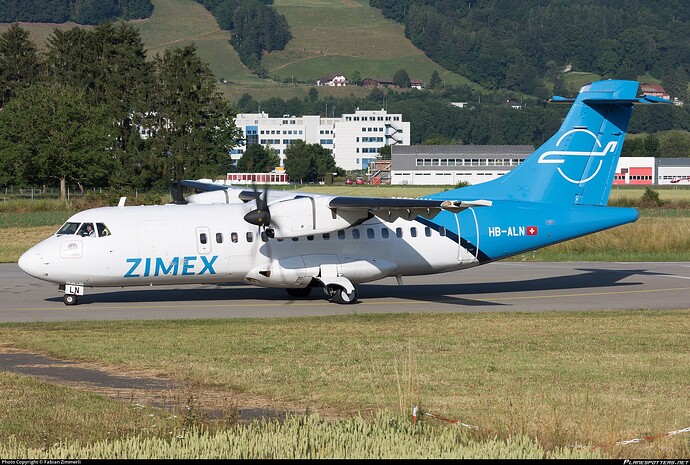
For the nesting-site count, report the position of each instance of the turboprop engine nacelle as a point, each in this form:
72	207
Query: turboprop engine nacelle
304	216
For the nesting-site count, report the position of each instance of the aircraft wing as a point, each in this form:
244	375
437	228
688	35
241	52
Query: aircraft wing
392	208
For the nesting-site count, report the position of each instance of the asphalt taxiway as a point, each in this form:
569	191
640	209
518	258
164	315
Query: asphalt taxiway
495	287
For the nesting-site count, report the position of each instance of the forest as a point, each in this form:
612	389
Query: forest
521	46
79	11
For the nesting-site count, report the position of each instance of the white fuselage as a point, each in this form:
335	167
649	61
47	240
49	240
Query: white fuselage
185	244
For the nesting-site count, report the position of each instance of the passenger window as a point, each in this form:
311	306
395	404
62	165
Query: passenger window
219	238
341	234
427	231
326	236
384	233
68	228
250	237
413	232
355	233
310	238
86	230
233	237
442	231
398	232
264	237
202	238
370	233
102	230
295	239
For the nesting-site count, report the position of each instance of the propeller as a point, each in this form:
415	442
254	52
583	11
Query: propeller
261	215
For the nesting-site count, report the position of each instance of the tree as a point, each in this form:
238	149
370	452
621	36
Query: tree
53	135
313	94
308	162
385	152
191	125
356	78
258	159
19	66
401	78
435	81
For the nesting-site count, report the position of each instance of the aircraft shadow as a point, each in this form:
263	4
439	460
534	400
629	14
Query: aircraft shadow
438	293
448	293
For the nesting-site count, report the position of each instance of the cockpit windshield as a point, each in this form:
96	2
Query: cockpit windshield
84	229
68	228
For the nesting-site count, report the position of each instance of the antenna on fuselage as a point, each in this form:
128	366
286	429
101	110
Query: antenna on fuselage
121	203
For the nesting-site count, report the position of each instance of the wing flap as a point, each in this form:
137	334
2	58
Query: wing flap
390	209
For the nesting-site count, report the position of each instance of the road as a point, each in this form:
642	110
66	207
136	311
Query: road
496	287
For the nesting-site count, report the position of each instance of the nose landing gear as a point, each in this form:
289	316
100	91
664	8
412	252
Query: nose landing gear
72	293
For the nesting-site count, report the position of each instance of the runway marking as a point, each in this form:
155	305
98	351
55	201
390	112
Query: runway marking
378	302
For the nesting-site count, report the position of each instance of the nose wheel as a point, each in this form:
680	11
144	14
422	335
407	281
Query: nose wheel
70	299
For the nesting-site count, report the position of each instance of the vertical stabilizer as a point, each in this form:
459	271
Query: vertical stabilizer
577	164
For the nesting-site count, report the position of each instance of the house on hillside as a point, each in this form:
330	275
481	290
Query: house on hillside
371	82
654	89
332	80
514	104
416	84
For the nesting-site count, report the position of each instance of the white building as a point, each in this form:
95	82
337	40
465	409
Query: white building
453	164
354	138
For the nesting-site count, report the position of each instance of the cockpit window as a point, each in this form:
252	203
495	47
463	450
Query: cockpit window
102	230
87	230
68	228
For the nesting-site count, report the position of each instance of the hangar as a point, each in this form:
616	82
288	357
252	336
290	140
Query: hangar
453	164
474	164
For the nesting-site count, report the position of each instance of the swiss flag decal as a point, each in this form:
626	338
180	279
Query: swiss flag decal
532	230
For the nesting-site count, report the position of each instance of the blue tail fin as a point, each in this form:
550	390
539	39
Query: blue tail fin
577	164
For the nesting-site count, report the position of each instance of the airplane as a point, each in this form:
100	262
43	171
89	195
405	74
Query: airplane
300	241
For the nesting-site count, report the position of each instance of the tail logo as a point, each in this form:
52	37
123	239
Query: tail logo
549	157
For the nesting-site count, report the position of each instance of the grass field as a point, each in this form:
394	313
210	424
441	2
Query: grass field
363	40
589	378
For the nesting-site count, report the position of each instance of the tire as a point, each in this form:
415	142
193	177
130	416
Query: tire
70	299
342	297
298	292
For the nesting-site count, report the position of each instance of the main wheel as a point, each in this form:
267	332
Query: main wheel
341	296
299	292
70	299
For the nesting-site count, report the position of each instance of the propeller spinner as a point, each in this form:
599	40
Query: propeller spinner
261	216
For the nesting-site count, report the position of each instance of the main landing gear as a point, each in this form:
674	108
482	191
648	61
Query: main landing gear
70	299
340	295
335	293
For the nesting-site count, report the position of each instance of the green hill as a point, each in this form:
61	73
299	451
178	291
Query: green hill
328	36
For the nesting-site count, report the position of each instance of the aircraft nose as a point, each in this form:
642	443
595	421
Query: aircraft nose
31	262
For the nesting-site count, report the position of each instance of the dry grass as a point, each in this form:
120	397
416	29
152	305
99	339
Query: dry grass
16	241
580	378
